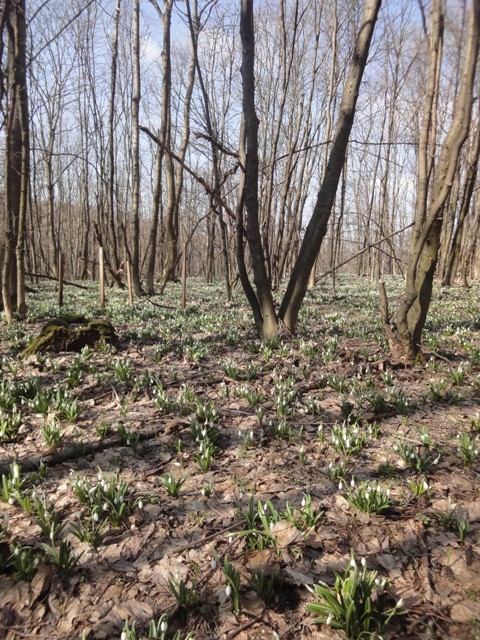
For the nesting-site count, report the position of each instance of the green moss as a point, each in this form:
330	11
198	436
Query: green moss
58	335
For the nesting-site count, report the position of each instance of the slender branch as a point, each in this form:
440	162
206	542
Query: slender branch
210	190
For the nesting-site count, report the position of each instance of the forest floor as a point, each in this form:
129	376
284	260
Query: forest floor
194	457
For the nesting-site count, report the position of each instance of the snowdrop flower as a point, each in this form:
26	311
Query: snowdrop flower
304	502
363	562
123	636
105	506
11	500
352	482
340	485
353	564
228	591
95	516
425	485
163	626
140	505
213	563
230	539
400	603
329	619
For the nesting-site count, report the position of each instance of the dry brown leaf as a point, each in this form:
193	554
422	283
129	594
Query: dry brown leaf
286	533
466	611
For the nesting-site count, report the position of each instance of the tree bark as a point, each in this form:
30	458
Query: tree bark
317	226
17	153
250	195
137	286
412	313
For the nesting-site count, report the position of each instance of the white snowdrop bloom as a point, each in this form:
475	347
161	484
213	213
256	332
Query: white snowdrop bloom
304	502
213	563
123	636
228	591
105	506
163	626
352	482
95	517
363	562
140	505
353	564
240	433
230	539
412	455
387	493
347	443
400	603
11	500
329	619
251	434
340	485
425	485
367	496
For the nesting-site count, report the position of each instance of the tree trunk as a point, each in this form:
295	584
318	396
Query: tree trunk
411	315
317	226
250	196
17	166
137	286
458	235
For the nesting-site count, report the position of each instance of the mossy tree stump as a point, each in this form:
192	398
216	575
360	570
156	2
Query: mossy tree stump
71	333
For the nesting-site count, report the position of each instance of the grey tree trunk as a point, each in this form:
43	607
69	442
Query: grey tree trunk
135	149
17	166
412	313
318	224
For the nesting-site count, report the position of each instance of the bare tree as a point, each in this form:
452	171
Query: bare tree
411	315
17	156
135	149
